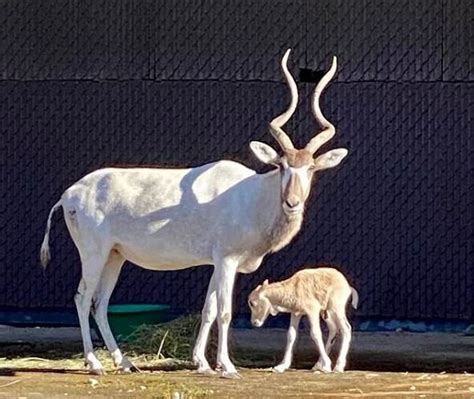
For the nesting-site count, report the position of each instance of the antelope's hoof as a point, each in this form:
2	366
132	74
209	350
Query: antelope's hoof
124	370
97	371
231	376
206	371
134	369
128	370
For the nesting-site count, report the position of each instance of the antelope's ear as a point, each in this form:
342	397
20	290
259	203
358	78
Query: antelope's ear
330	159
265	153
265	283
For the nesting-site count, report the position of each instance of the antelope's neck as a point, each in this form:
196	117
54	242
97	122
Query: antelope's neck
280	296
276	227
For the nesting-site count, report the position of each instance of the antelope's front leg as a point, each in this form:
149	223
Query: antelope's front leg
209	313
290	341
225	272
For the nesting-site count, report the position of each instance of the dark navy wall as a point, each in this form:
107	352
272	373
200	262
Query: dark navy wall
84	85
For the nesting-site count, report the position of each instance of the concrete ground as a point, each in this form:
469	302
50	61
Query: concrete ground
384	351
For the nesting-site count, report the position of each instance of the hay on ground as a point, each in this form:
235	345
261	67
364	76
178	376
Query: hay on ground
174	339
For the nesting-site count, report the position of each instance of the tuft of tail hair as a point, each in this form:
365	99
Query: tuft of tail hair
45	256
355	298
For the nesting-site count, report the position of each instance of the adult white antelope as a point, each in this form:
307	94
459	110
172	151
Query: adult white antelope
221	213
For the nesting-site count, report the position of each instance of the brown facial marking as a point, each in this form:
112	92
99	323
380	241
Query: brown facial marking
298	158
293	191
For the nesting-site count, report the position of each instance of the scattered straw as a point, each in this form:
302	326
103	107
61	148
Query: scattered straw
10	383
161	344
174	339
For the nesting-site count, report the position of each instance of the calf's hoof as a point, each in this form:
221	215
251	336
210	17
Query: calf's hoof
338	369
279	369
318	367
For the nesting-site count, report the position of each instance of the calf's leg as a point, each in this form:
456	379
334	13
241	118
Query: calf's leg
290	341
332	327
317	336
346	332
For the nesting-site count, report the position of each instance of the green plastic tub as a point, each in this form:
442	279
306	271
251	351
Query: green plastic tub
125	319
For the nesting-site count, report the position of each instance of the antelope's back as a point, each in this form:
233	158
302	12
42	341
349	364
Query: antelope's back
152	211
322	279
139	191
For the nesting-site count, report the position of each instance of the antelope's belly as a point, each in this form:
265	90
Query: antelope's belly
162	257
250	264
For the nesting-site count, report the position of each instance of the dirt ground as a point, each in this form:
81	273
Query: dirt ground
255	383
47	363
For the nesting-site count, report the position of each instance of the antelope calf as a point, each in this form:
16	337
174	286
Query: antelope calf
312	292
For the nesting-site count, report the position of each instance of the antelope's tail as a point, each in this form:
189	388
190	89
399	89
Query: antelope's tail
45	256
355	298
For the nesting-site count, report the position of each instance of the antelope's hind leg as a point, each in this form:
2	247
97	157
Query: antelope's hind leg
94	254
91	272
108	280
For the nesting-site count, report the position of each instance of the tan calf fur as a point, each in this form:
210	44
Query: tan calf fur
309	292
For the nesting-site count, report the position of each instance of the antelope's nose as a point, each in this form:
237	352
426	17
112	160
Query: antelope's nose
257	323
292	202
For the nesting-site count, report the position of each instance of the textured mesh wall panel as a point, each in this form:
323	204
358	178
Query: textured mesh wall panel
377	40
227	39
396	215
75	39
188	39
234	40
458	43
